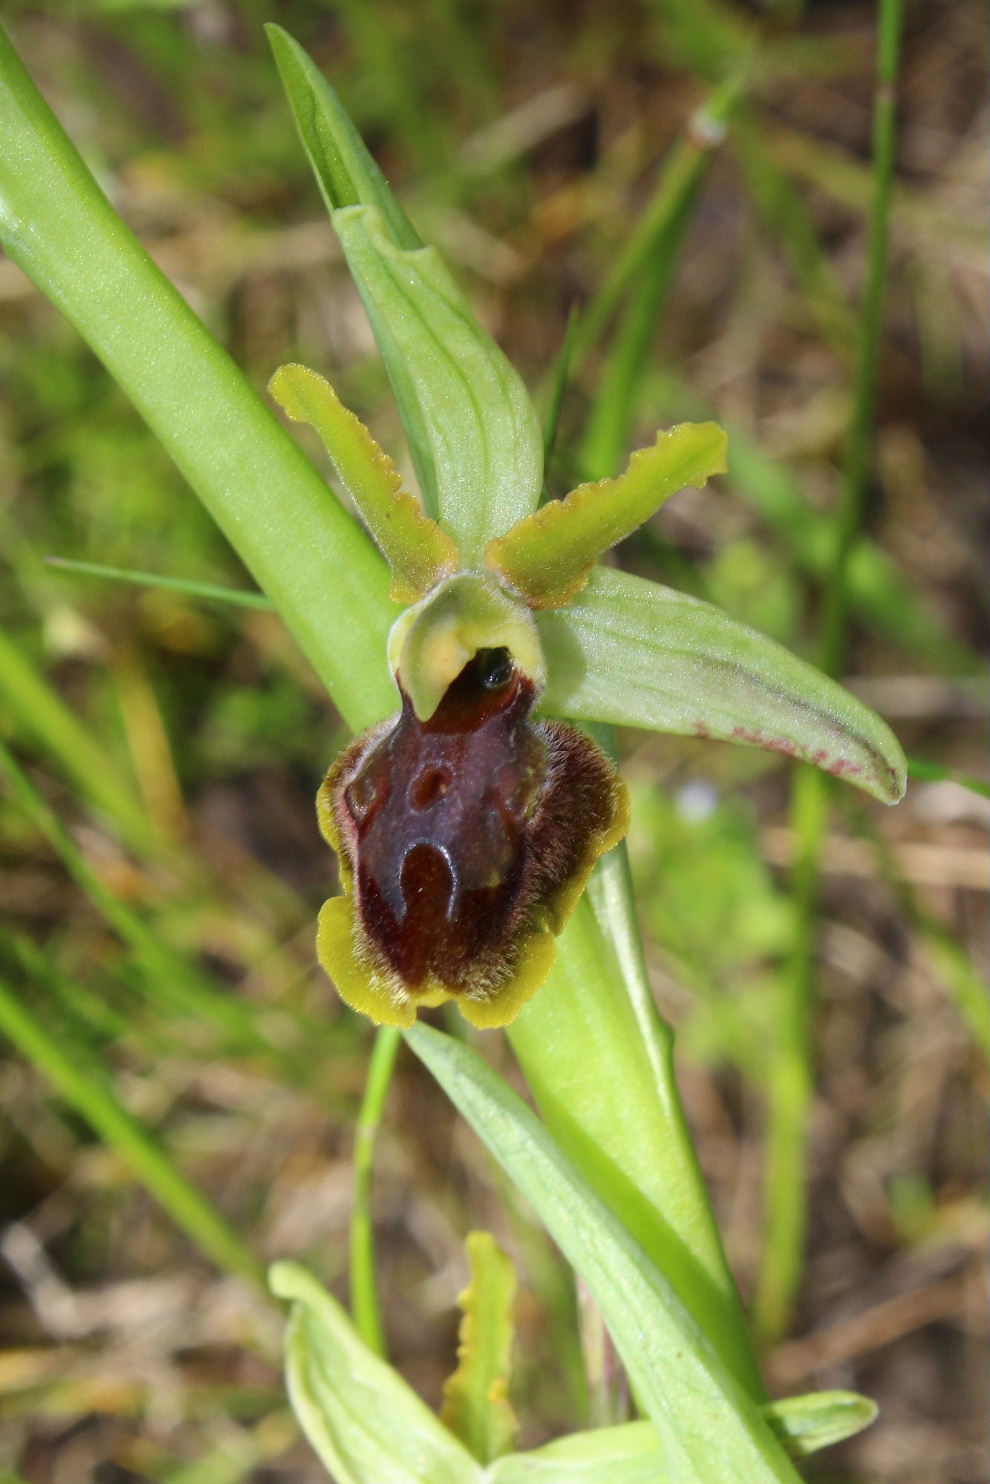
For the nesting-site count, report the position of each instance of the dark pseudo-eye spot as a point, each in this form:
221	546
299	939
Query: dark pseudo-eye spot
429	785
361	795
494	667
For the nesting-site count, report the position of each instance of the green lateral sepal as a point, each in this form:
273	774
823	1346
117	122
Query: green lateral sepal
419	551
476	1404
548	556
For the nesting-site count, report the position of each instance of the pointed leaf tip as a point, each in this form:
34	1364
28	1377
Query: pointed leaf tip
634	653
419	551
548	556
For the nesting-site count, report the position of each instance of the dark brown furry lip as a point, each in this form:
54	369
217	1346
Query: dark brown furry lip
461	832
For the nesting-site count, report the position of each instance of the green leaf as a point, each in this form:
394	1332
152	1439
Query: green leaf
418	550
365	1423
632	652
549	555
817	1420
630	1454
476	1404
627	1134
345	171
709	1428
473	433
303	549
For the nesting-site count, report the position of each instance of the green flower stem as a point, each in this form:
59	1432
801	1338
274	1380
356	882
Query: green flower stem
364	1287
303	549
84	1086
600	1064
792	1082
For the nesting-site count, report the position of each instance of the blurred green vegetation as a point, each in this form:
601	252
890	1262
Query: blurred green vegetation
159	866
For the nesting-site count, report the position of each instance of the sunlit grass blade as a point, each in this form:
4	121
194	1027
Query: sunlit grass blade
35	709
213	592
168	976
631	652
82	1082
683	170
709	1428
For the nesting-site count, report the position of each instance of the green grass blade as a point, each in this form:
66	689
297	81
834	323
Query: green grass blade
302	548
792	1079
167	976
680	178
209	590
83	1085
708	1426
38	711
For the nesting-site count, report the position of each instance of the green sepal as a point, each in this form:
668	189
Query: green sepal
418	550
548	556
473	434
476	1404
364	1422
637	654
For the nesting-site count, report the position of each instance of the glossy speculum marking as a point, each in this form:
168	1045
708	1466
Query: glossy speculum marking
465	841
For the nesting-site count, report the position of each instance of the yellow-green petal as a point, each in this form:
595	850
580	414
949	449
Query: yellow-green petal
548	556
419	551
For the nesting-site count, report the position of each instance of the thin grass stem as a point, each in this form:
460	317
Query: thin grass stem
82	1083
785	1202
365	1306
